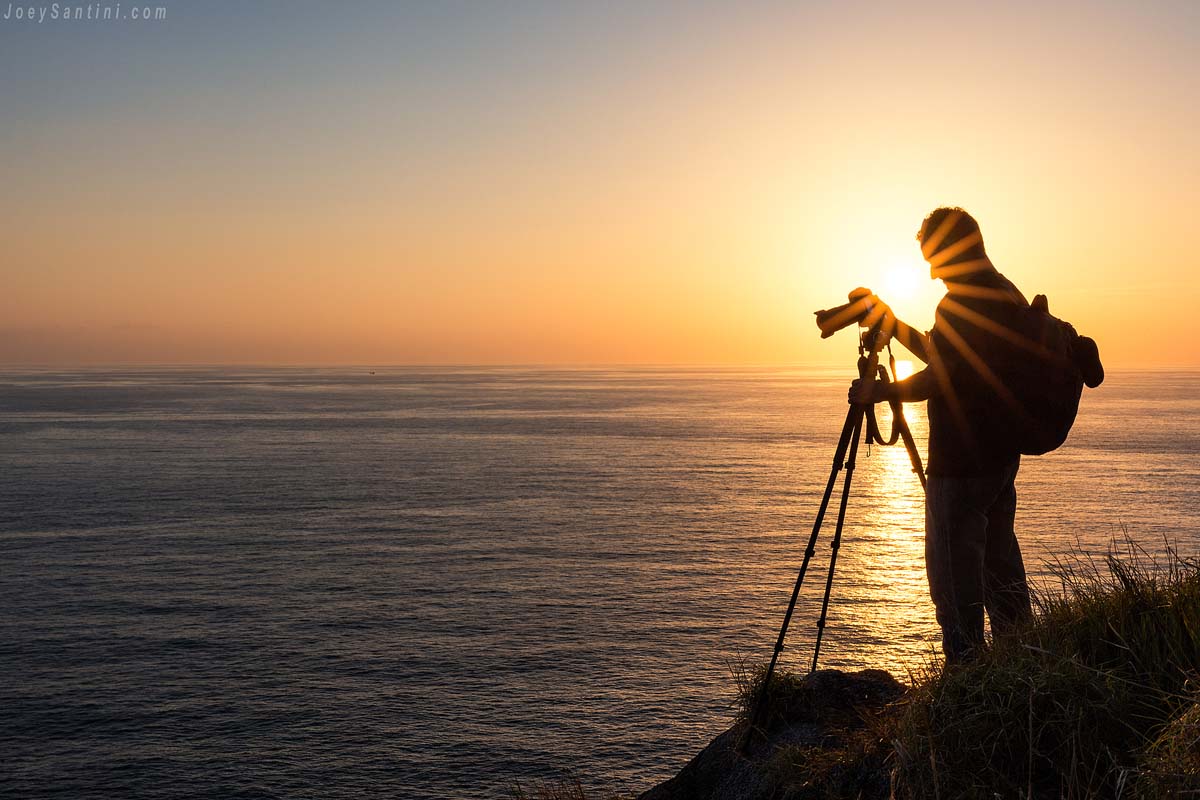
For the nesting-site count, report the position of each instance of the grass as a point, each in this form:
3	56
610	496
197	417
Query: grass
1098	697
1095	699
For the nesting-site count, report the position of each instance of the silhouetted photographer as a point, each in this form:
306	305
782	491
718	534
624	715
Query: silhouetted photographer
1003	379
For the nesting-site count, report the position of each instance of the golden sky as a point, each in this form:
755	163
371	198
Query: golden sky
631	183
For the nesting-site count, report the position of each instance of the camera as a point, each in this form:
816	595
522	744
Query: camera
868	311
862	303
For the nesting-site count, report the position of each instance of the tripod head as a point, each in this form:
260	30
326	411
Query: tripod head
872	340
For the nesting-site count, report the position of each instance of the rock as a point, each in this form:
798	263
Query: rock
816	711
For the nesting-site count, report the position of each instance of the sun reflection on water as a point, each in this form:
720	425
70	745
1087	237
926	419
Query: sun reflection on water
880	598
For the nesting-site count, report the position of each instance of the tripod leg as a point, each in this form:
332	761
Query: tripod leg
849	434
837	536
909	444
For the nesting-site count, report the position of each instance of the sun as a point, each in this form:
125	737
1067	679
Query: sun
902	280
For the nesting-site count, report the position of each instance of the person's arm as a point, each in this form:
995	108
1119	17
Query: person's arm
913	389
913	340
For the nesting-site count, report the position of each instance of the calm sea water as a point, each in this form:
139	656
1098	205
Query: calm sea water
421	583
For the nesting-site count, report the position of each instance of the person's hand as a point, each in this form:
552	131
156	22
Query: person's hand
874	306
867	392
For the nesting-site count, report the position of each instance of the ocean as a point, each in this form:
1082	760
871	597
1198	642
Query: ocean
437	582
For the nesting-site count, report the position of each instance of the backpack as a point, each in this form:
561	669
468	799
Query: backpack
1046	377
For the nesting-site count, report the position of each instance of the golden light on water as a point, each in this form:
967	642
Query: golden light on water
880	612
895	489
885	549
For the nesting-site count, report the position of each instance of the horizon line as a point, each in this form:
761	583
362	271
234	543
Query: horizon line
563	365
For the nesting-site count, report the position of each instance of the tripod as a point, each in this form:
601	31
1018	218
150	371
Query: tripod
869	346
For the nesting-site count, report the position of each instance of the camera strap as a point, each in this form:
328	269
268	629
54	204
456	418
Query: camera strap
873	434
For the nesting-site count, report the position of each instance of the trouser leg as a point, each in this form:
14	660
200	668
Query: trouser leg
955	542
1006	592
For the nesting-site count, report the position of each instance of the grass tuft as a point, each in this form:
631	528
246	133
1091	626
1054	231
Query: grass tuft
1172	764
1092	699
